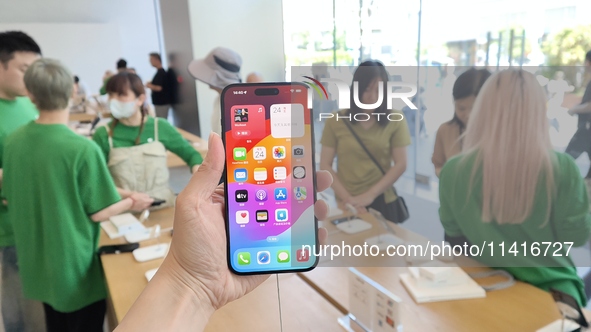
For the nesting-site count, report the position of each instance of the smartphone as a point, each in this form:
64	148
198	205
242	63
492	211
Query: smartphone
569	307
340	220
157	201
118	248
269	178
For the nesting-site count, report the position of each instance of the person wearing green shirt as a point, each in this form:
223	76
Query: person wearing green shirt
57	189
508	187
17	52
135	144
358	181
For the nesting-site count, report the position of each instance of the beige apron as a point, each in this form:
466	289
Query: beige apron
142	168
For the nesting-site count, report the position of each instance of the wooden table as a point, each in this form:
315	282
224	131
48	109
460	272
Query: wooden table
124	276
303	308
521	307
82	117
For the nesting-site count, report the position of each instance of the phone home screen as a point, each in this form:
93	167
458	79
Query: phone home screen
269	179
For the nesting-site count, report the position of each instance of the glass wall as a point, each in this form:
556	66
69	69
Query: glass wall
445	38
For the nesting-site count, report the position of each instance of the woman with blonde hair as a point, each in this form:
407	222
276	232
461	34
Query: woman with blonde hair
509	187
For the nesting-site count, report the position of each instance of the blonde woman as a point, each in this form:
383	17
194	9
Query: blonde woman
508	186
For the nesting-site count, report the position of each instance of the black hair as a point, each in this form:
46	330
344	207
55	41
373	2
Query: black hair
468	84
76	79
156	55
588	56
16	41
367	72
121	64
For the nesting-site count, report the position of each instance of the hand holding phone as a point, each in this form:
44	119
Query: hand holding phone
269	179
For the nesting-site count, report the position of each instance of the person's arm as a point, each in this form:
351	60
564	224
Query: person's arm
141	201
177	144
327	155
438	158
157	83
583	108
113	210
573	221
153	87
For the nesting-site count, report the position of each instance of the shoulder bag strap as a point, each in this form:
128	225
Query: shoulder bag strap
367	151
364	148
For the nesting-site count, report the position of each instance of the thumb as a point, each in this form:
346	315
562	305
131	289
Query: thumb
204	182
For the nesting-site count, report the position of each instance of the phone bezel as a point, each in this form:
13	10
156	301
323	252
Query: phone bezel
224	178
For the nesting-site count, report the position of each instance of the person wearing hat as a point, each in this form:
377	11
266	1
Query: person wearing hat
221	67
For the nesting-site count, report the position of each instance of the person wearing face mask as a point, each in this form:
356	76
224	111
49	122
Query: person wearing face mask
135	143
448	142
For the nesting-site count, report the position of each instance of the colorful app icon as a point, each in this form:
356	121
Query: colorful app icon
244	258
239	154
241	114
299	172
242	196
283	256
262	215
302	255
263	257
279	152
260	195
242	217
280	173
240	175
280	194
298	151
281	215
259	153
300	193
260	174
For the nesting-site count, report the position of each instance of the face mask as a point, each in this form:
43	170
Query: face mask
121	110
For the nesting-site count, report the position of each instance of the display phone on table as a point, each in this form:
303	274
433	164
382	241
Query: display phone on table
269	178
569	308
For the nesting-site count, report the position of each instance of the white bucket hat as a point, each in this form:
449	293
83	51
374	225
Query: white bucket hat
219	68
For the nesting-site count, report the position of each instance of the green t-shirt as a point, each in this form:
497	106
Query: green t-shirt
124	136
103	90
54	180
13	114
461	210
355	169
